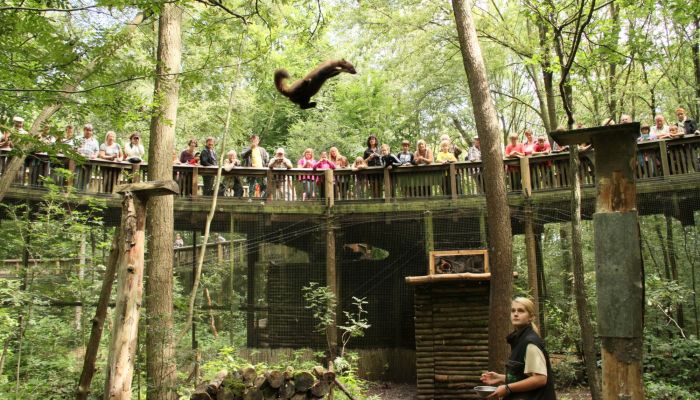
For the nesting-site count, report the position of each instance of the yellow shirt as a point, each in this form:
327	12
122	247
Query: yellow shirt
256	158
445	156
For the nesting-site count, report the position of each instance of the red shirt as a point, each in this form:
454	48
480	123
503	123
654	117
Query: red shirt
512	148
542	147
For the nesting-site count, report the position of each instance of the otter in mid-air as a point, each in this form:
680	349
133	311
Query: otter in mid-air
300	92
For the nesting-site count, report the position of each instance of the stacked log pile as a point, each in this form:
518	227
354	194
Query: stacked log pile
247	384
451	338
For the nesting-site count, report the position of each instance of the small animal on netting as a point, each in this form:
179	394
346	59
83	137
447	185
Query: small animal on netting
300	92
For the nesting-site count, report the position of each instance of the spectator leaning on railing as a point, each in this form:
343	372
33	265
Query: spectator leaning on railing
687	126
474	152
208	159
255	156
134	151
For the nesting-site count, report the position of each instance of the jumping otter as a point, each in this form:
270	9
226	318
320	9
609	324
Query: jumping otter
300	92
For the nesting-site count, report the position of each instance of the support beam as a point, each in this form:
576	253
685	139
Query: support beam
253	252
332	284
619	275
122	348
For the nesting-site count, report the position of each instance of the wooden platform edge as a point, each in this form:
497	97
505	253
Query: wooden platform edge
465	276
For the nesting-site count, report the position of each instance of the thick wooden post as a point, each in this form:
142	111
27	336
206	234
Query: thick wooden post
453	181
387	186
663	155
531	255
332	284
99	319
328	182
619	275
122	348
428	235
525	178
253	252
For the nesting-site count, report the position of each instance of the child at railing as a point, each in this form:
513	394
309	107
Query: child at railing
322	164
307	181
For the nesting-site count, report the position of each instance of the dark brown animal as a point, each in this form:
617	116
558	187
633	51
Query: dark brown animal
300	92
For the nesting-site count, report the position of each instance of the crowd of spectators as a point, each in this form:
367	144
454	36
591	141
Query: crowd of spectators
375	155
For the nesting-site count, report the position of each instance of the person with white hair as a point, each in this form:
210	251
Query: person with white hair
18	125
110	149
282	183
88	146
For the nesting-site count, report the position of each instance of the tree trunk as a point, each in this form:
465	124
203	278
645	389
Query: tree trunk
671	248
547	74
122	348
16	163
99	319
565	247
161	370
587	336
531	255
81	277
497	211
696	66
612	66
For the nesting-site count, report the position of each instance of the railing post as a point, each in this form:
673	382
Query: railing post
71	177
135	173
663	155
453	181
328	182
195	182
387	185
525	180
271	190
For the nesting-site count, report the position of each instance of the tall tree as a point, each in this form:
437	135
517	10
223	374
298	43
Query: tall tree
497	211
160	345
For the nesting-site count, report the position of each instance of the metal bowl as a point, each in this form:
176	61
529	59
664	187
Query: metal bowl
484	391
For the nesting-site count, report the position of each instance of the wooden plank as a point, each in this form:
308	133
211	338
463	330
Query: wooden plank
150	188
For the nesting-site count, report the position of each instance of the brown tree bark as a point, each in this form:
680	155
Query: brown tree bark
547	74
696	65
122	348
161	370
99	320
497	211
587	336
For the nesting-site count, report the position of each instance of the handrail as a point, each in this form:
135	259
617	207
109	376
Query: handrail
655	159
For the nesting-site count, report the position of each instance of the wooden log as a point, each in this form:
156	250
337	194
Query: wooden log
303	381
215	384
232	388
249	376
253	394
122	349
269	393
344	390
200	393
318	372
259	381
289	373
320	389
299	396
99	319
274	378
287	390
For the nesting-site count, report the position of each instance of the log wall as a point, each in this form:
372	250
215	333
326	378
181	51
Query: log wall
451	338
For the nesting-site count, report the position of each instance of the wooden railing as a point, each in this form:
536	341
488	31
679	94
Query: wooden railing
655	159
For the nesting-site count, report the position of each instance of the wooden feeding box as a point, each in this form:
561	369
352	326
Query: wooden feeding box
458	261
451	329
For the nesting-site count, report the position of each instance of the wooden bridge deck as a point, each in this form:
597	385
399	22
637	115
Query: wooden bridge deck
665	167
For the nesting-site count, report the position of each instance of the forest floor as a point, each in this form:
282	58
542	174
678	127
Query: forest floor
396	391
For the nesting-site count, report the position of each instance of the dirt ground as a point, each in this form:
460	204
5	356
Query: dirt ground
395	391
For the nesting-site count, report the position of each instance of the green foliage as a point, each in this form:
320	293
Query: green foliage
673	362
321	301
